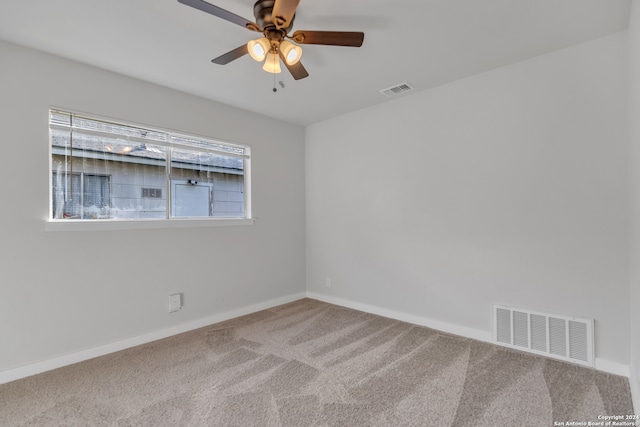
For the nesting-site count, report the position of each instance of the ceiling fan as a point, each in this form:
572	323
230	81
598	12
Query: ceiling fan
274	19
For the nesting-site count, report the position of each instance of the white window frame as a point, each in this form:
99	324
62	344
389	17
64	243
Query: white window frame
52	224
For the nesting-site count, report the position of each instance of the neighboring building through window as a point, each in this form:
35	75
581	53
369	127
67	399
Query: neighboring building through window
84	196
106	170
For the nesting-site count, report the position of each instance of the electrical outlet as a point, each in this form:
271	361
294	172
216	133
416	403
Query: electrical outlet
175	302
327	282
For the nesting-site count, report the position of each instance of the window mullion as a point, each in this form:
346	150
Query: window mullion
169	195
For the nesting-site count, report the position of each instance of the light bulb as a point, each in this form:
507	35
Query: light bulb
258	48
291	52
272	64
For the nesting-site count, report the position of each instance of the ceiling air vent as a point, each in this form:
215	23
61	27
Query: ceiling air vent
397	89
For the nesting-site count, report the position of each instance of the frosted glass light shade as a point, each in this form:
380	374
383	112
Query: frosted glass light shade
259	48
291	52
272	64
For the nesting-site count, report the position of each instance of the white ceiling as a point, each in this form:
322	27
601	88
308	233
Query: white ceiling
424	42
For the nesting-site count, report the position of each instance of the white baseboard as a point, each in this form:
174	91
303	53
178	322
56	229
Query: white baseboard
79	356
480	335
612	367
477	334
634	382
486	336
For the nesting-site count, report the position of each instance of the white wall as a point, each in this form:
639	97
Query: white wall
63	292
634	138
506	187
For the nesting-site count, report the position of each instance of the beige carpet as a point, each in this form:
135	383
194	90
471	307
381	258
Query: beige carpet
309	363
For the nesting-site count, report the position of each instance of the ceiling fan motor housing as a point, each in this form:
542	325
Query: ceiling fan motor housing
262	11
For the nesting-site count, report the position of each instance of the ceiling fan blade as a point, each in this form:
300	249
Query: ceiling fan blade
283	12
219	12
331	38
297	70
231	55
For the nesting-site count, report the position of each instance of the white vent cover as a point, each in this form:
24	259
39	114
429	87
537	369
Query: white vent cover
560	337
397	89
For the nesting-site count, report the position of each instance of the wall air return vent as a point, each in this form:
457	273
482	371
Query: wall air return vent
560	337
397	89
152	193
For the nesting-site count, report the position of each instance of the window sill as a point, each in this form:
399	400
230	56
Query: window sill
137	224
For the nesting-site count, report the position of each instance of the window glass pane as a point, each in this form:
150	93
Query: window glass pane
110	174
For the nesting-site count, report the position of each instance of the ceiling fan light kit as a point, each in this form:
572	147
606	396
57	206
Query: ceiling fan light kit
274	19
259	48
262	48
291	52
272	64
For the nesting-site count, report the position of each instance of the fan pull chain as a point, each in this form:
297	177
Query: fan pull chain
274	75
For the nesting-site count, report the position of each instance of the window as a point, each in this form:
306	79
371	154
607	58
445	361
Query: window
153	193
102	170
